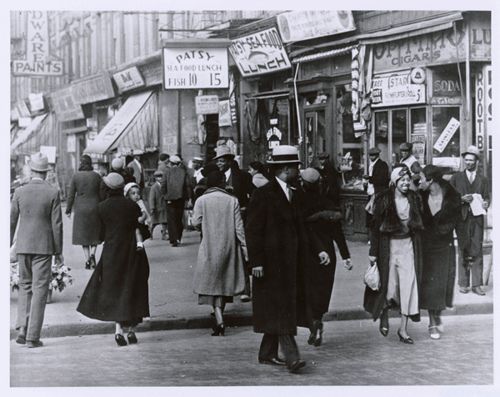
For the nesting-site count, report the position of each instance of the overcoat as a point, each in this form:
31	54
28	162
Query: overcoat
220	266
83	198
157	205
384	223
118	288
322	222
277	241
438	274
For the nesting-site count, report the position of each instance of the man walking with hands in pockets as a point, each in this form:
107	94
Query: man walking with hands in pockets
37	208
278	251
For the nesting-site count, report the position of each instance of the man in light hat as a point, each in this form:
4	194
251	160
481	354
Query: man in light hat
176	190
197	167
472	186
36	212
408	159
278	249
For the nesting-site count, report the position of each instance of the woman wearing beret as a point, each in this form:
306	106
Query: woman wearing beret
323	222
83	198
396	248
442	206
118	288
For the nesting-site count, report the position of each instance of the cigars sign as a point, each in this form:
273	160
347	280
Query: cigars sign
259	53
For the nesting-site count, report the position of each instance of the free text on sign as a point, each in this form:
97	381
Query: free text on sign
396	89
195	68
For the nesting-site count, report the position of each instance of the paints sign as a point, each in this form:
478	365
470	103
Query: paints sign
195	68
259	53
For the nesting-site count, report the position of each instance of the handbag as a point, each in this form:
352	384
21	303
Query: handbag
372	277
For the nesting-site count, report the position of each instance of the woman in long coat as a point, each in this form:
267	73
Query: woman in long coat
322	222
83	198
219	273
118	288
396	248
442	206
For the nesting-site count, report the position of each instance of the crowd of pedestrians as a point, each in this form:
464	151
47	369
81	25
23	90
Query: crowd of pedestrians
266	236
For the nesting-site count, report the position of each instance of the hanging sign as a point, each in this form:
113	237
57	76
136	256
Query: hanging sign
92	89
396	89
305	25
37	61
207	104
36	102
128	79
195	68
447	134
260	53
224	114
65	106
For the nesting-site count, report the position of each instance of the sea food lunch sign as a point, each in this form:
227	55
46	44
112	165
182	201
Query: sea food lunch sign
259	53
195	67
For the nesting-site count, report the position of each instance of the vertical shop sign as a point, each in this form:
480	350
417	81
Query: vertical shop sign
232	99
480	104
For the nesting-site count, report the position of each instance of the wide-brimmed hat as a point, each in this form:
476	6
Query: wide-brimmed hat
117	163
406	146
472	150
39	162
158	173
310	175
374	150
198	159
223	151
323	156
284	154
114	181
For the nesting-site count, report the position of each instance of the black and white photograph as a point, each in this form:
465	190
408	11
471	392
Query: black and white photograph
231	198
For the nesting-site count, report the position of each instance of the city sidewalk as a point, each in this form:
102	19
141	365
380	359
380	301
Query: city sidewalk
173	305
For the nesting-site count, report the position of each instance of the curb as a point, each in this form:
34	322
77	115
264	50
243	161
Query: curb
237	320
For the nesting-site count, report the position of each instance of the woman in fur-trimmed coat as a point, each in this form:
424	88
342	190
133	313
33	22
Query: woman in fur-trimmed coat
396	248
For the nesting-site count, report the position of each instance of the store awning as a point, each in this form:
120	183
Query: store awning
24	134
133	127
322	55
46	135
391	34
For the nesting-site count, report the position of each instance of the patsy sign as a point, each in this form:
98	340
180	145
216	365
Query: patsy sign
259	53
195	68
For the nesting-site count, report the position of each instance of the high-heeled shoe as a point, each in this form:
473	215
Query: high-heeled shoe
120	340
314	330
92	261
131	337
218	330
407	340
384	323
88	264
319	339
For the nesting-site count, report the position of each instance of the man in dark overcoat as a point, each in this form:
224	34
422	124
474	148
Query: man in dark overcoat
470	228
36	212
278	250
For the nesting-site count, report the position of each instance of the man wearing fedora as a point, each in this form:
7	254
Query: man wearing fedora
278	249
470	228
36	213
239	184
408	159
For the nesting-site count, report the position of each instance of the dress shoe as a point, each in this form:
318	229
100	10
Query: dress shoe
120	340
314	330
88	264
439	324
478	291
319	335
407	340
245	298
384	323
296	366
433	332
93	264
272	361
34	343
463	290
131	337
218	330
21	336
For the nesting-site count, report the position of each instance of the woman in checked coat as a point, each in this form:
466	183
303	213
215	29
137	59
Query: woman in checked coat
83	198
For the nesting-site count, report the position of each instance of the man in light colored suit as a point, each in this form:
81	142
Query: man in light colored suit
36	213
136	165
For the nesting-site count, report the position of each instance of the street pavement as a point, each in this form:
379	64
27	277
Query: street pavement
353	353
173	305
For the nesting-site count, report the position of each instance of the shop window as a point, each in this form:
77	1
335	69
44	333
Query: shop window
315	136
399	133
446	137
418	131
382	134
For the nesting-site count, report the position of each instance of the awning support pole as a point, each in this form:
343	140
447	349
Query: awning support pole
297	102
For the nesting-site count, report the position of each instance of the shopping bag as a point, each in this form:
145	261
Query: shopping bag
372	277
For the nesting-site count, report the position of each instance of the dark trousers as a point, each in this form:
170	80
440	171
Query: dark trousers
470	275
175	212
470	242
35	273
269	347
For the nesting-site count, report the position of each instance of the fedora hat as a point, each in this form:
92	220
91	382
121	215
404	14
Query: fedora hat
174	159
284	154
374	150
223	151
39	162
472	150
407	146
